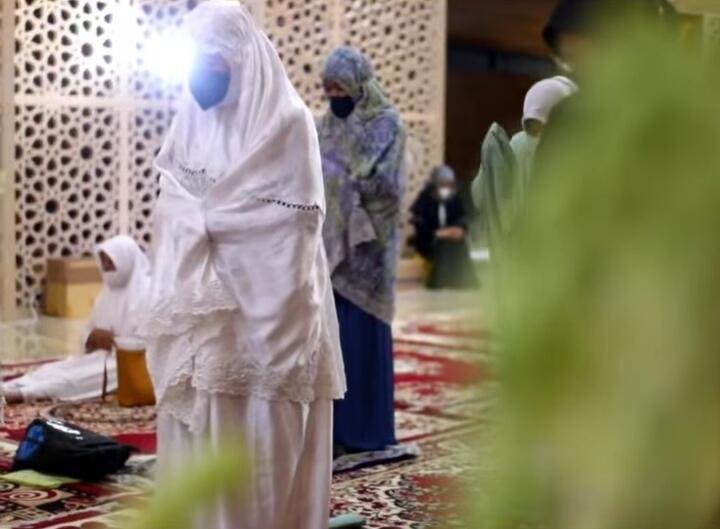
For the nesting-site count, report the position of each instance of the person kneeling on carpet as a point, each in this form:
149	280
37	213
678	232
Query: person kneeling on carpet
126	276
438	216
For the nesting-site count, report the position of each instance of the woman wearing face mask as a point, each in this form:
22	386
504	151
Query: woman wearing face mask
500	188
362	141
438	216
241	328
126	276
540	101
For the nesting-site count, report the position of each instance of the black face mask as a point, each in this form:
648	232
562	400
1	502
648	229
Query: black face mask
209	87
342	107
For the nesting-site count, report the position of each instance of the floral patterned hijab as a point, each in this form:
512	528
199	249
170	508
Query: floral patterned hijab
363	169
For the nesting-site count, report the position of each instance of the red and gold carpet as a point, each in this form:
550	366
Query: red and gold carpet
443	391
70	506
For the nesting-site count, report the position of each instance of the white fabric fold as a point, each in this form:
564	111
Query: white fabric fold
240	299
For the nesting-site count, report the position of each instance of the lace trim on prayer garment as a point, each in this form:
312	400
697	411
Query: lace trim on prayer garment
203	363
179	314
289	205
196	181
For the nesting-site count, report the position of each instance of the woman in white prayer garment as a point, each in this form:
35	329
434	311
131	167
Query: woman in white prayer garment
126	277
241	330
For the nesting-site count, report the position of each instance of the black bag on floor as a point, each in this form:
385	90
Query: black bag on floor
62	449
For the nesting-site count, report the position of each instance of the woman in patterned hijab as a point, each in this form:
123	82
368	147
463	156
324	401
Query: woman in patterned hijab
362	142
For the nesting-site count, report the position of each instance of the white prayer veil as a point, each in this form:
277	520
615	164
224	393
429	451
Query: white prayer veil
124	289
545	95
250	243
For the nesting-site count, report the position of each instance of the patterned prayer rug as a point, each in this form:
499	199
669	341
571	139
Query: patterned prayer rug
27	508
444	390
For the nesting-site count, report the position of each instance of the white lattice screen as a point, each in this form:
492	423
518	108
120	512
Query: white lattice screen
89	119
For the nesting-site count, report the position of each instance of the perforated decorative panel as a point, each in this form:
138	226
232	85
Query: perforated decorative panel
66	181
67	155
154	18
397	36
422	148
91	112
147	132
31	40
302	33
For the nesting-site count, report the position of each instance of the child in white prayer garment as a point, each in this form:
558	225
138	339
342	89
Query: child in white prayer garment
126	277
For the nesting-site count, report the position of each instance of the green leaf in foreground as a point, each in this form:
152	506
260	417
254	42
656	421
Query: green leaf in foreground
609	305
198	485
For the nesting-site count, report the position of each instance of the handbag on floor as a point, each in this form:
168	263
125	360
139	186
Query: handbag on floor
52	446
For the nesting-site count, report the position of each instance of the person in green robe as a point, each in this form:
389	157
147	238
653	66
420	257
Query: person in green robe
491	189
540	101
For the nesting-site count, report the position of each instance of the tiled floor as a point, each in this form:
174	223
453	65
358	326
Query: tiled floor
56	338
43	338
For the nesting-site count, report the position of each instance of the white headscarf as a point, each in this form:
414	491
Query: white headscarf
124	289
545	95
261	124
251	243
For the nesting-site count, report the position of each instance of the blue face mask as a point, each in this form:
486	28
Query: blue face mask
342	107
209	87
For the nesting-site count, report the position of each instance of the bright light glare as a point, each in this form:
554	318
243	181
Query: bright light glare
167	56
127	33
170	56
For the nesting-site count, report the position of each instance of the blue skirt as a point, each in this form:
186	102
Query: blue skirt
365	419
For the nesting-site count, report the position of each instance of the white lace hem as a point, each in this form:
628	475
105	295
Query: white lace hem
188	402
179	313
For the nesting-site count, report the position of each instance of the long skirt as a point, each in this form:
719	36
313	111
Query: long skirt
290	450
77	378
452	267
365	419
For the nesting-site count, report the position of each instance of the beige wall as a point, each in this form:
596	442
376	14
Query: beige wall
7	213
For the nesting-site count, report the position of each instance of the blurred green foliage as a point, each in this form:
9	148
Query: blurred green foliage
182	495
608	304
